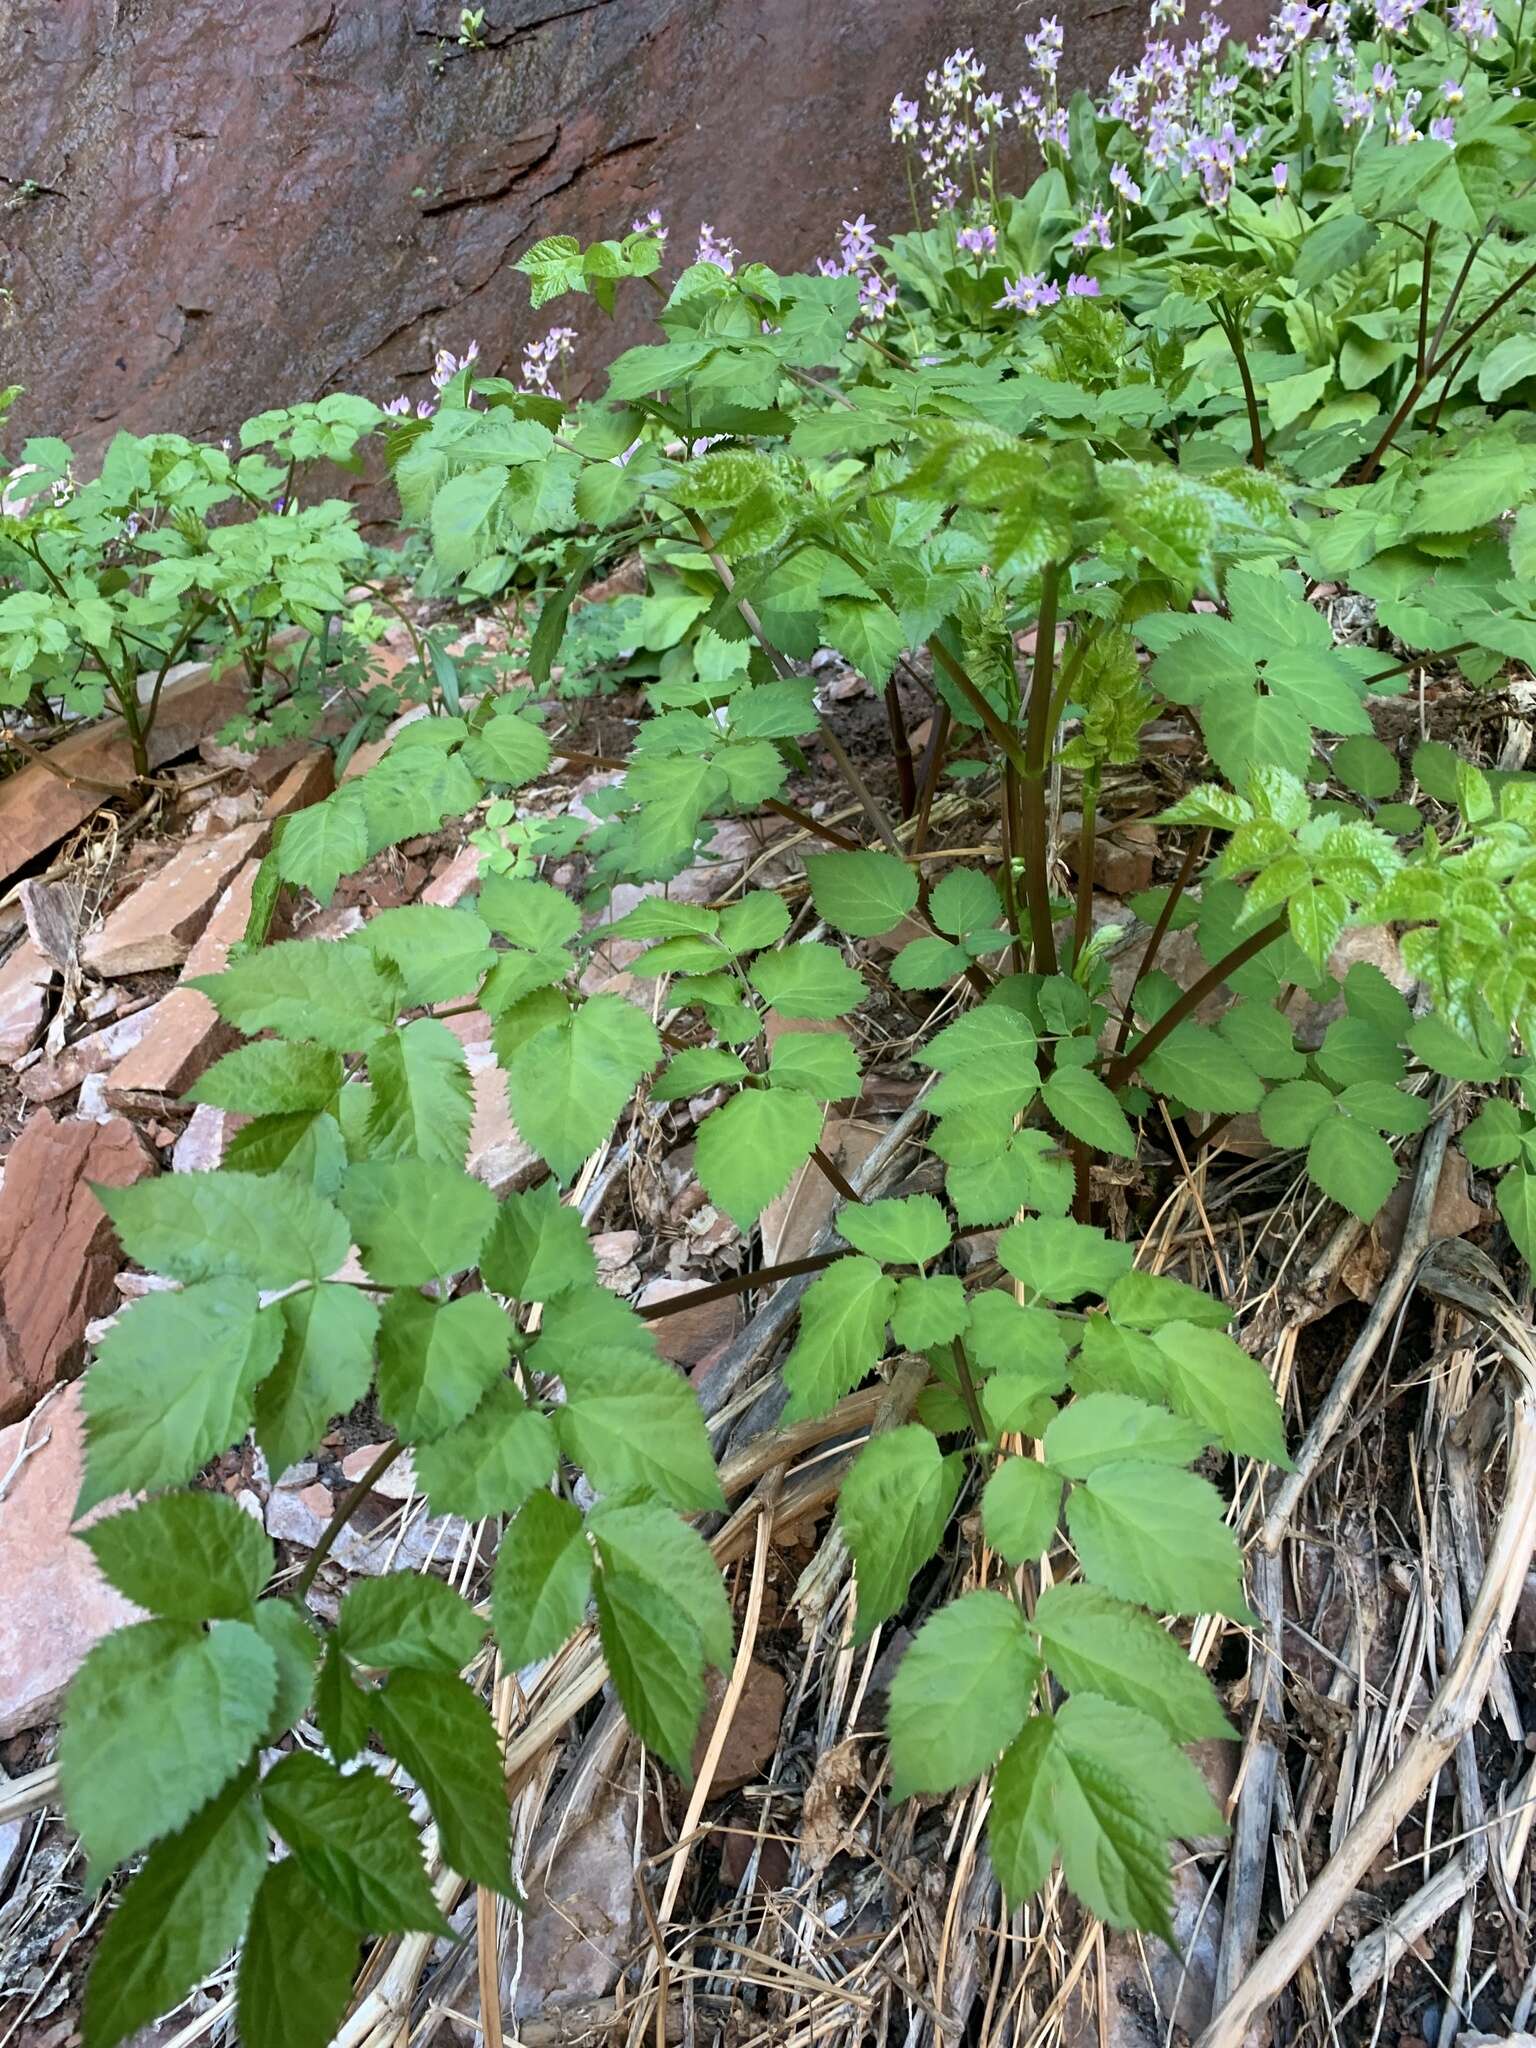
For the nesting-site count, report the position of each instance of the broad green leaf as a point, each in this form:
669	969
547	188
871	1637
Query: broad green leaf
160	1717
1059	1259
335	996
657	1665
437	954
807	981
186	1556
321	844
1106	1429
1354	1050
819	1063
508	750
269	1076
960	1694
542	1580
893	1509
531	914
758	919
569	1084
929	963
632	1421
1021	1828
928	1312
1174	1796
1203	1070
413	1219
490	1463
198	1226
286	1631
652	1544
353	1839
172	1385
1113	1852
842	1335
1262	1037
695	1070
908	1232
1020	1507
297	1966
1030	1174
341	1706
965	901
1214	1381
422	1103
444	1737
1350	1162
1086	1109
1441	1046
750	1148
322	1370
866	894
1005	1337
1493	1136
436	1360
179	1917
1145	1301
1516	1199
410	1621
1153	1534
1366	766
538	1247
992	1033
1292	1113
1097	1644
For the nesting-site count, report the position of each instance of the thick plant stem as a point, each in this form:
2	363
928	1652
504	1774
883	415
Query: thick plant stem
1082	923
1256	457
1125	1064
1037	747
933	762
968	1392
346	1507
1005	741
1160	932
901	749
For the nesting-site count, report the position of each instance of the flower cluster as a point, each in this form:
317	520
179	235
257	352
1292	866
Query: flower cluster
650	224
717	249
1032	295
540	358
856	258
445	367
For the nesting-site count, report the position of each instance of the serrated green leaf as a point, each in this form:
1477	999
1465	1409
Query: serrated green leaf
1155	1535
928	1312
322	1370
415	1220
819	1063
1020	1506
334	996
179	1917
908	1232
296	1968
633	1421
422	1105
1086	1109
865	894
807	981
1441	1046
1203	1070
185	1556
758	919
960	1694
1214	1381
269	1076
1059	1259
530	913
570	1083
1516	1199
352	1837
508	750
657	1665
443	1735
1145	1301
205	1225
1021	1828
436	1360
286	1631
437	954
490	1463
538	1247
929	963
172	1385
1107	1429
992	1033
842	1335
1097	1644
160	1717
408	1621
692	1072
542	1580
1494	1135
1262	1037
1292	1113
650	1543
321	844
1350	1162
893	1508
750	1148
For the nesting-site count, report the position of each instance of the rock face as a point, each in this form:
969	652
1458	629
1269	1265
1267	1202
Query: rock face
58	1254
222	205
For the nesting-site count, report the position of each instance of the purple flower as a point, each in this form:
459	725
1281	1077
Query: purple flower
1096	228
1045	47
1383	81
1081	287
903	119
717	249
876	296
1054	129
1028	295
446	365
1442	129
1474	20
1122	182
858	242
399	407
1451	91
649	224
1281	175
1295	20
425	408
980	241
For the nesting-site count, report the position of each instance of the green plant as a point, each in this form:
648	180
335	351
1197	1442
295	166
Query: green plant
472	28
934	453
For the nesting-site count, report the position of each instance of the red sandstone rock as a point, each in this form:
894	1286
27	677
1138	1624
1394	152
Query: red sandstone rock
58	1254
158	925
308	781
24	980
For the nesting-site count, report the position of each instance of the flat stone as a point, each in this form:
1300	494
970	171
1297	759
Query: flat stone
189	1033
309	781
57	1605
95	1054
25	978
158	925
397	1482
200	1148
456	880
753	1736
691	1334
499	1155
58	1253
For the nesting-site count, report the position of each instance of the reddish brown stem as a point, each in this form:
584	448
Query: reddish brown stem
1160	932
1125	1064
901	749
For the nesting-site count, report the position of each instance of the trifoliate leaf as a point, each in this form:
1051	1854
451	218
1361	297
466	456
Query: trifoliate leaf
842	1335
353	1839
750	1148
413	1219
960	1694
542	1580
1095	1643
1059	1259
